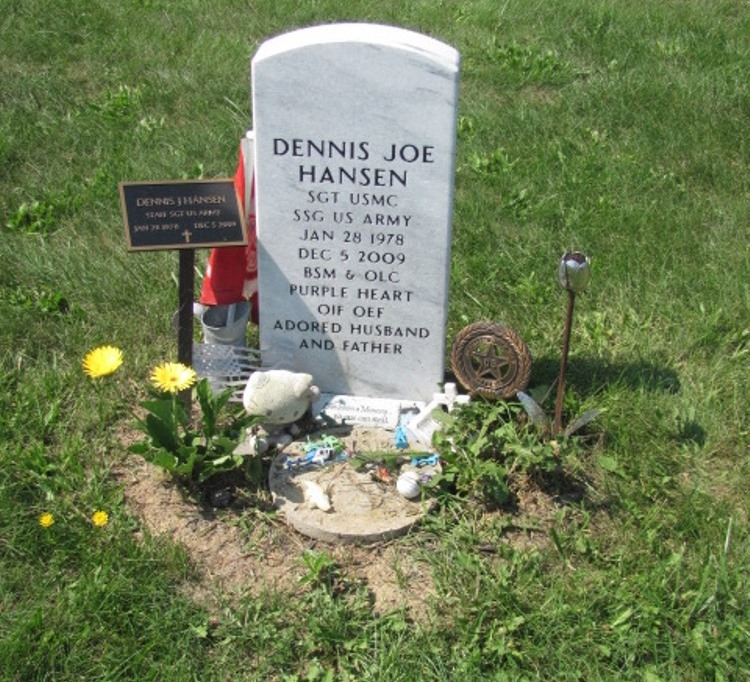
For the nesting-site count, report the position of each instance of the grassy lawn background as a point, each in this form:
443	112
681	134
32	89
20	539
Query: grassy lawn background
618	128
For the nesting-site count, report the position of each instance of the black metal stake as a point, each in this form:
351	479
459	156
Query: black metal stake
185	318
557	424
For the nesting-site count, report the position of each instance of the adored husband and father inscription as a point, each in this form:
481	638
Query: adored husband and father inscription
355	143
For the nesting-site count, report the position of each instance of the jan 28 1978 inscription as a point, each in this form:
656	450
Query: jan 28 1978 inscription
181	214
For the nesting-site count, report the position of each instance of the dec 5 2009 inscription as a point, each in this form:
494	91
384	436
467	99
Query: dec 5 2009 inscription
355	129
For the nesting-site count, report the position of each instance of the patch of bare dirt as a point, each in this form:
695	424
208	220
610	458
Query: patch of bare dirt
533	516
241	553
249	551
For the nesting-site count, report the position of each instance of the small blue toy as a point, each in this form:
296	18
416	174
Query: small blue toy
425	461
315	456
318	453
402	442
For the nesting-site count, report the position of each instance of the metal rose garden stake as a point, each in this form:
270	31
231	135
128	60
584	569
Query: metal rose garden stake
573	273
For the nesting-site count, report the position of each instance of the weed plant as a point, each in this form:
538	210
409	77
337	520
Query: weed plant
616	128
483	446
195	449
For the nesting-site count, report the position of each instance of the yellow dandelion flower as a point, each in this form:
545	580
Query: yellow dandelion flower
46	520
173	377
100	518
102	361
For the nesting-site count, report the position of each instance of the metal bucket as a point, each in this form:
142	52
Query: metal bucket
226	324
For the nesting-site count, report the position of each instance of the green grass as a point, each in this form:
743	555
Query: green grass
615	128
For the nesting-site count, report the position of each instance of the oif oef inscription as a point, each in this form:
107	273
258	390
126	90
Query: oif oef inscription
181	214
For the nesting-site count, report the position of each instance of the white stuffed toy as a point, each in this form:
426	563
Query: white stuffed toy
279	396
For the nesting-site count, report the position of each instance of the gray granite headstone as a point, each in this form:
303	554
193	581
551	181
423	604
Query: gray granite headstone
355	143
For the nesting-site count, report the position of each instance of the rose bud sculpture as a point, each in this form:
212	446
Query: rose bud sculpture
573	273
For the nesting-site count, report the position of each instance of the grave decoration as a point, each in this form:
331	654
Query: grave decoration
278	396
230	284
573	273
491	360
352	485
182	215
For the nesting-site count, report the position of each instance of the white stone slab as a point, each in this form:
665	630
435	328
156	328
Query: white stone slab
355	145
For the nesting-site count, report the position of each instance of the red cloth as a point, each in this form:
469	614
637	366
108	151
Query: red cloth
232	271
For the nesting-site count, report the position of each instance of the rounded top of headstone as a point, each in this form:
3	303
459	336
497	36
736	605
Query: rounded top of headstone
377	34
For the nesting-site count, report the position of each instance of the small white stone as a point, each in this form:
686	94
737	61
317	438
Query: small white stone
407	484
315	496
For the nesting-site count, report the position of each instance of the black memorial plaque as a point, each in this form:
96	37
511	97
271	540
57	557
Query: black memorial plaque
177	214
